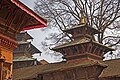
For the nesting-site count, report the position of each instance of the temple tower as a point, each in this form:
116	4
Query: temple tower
22	55
83	46
14	16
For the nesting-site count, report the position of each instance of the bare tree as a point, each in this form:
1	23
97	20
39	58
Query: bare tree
104	15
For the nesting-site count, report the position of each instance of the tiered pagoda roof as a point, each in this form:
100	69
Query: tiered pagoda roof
28	48
78	42
25	47
80	27
24	36
22	58
83	43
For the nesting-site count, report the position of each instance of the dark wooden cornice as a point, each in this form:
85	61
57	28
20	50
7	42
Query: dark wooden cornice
6	41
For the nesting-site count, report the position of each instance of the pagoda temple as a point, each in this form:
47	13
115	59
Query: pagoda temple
14	17
83	46
22	56
83	59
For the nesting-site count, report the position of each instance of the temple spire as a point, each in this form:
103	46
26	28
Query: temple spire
83	19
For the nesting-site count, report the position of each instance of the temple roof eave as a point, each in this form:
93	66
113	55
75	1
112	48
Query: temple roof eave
36	50
26	33
81	26
78	43
22	58
42	22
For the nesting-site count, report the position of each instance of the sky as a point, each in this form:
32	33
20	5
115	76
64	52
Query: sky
38	36
29	3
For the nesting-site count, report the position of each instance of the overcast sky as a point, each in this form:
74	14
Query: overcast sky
38	35
29	3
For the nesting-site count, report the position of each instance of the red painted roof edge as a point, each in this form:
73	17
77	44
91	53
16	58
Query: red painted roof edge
32	27
29	11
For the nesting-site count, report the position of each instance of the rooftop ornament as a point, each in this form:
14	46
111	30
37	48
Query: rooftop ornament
83	19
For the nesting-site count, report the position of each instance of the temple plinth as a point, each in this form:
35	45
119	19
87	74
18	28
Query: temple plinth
14	17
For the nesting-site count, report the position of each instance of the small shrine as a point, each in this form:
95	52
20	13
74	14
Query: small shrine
84	46
22	55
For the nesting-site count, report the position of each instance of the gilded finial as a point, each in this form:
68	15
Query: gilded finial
83	19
